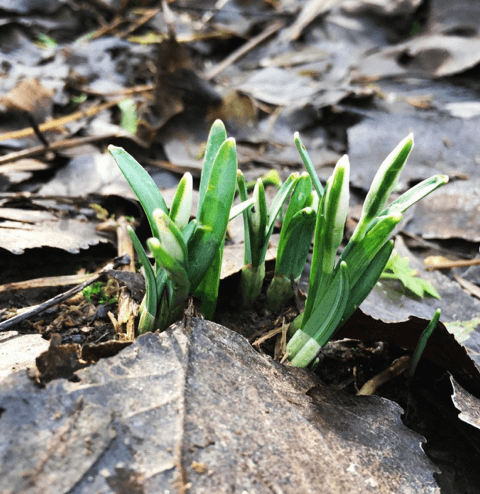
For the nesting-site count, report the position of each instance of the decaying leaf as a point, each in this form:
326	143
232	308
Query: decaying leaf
202	396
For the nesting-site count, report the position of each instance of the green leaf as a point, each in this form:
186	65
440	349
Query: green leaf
398	268
151	299
171	237
422	343
258	223
146	322
301	194
270	178
328	233
279	292
240	208
141	183
294	244
318	282
201	251
216	138
176	272
182	202
214	215
382	186
414	194
312	201
322	324
251	283
242	190
336	208
276	206
308	164
367	280
362	253
189	230
208	288
219	193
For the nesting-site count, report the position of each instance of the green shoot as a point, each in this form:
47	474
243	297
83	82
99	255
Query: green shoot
422	343
187	254
258	225
294	243
337	288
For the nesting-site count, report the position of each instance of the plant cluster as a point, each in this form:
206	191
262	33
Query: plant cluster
188	253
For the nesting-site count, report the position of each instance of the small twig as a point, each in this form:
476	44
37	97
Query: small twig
398	367
437	262
45	282
143	88
38	133
244	49
209	14
431	245
311	10
471	288
107	29
166	165
59	122
38	309
127	307
267	336
146	17
64	144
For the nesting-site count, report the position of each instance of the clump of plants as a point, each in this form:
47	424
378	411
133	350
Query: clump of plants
337	287
188	253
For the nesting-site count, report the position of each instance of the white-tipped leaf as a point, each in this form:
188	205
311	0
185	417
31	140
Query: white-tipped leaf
151	297
170	237
258	223
383	184
301	194
336	203
413	195
182	202
362	253
240	208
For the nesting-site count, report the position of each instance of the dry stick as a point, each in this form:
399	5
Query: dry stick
59	122
120	92
64	144
38	309
127	307
471	288
244	49
208	16
433	246
434	262
166	165
45	282
146	17
310	11
108	28
398	367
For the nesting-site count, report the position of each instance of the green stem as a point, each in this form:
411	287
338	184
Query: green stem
251	284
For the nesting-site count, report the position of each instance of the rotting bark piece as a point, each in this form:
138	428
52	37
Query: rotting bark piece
200	395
